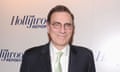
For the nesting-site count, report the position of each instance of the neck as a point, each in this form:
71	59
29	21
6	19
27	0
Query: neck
59	47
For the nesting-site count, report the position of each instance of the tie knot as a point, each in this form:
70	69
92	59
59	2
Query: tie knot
59	54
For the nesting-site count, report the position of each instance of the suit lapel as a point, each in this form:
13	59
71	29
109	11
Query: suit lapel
72	60
46	65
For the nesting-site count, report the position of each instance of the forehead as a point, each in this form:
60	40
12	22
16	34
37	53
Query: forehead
61	16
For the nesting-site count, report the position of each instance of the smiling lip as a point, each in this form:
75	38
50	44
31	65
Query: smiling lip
60	36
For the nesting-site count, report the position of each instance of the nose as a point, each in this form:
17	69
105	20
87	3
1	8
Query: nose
62	29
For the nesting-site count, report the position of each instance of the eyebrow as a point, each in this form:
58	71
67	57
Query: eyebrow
61	23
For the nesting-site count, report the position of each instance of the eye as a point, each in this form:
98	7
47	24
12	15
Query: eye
68	25
56	24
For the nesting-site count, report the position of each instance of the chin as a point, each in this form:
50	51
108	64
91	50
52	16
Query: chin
62	44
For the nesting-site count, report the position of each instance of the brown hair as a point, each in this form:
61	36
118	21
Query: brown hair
59	8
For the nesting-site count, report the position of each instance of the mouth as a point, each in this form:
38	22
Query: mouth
61	36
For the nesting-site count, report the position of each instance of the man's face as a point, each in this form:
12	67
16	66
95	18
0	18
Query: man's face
60	28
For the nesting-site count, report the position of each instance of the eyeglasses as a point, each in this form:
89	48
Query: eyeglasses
67	26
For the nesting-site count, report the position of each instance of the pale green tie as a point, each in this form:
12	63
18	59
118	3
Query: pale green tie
57	63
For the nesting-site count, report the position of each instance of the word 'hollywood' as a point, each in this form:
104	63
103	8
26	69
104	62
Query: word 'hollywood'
9	56
30	21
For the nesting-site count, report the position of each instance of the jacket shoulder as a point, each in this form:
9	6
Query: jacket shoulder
81	50
36	49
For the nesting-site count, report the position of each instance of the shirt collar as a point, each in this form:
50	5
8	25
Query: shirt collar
65	50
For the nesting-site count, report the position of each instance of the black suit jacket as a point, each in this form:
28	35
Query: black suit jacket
37	59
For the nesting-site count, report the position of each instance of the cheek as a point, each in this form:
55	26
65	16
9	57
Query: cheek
52	32
69	33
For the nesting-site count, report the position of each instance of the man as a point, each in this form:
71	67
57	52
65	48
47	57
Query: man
45	58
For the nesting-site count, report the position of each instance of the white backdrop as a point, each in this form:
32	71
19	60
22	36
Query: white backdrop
97	27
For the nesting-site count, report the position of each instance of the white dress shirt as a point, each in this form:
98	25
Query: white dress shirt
64	58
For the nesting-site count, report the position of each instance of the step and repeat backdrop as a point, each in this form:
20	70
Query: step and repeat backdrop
97	26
